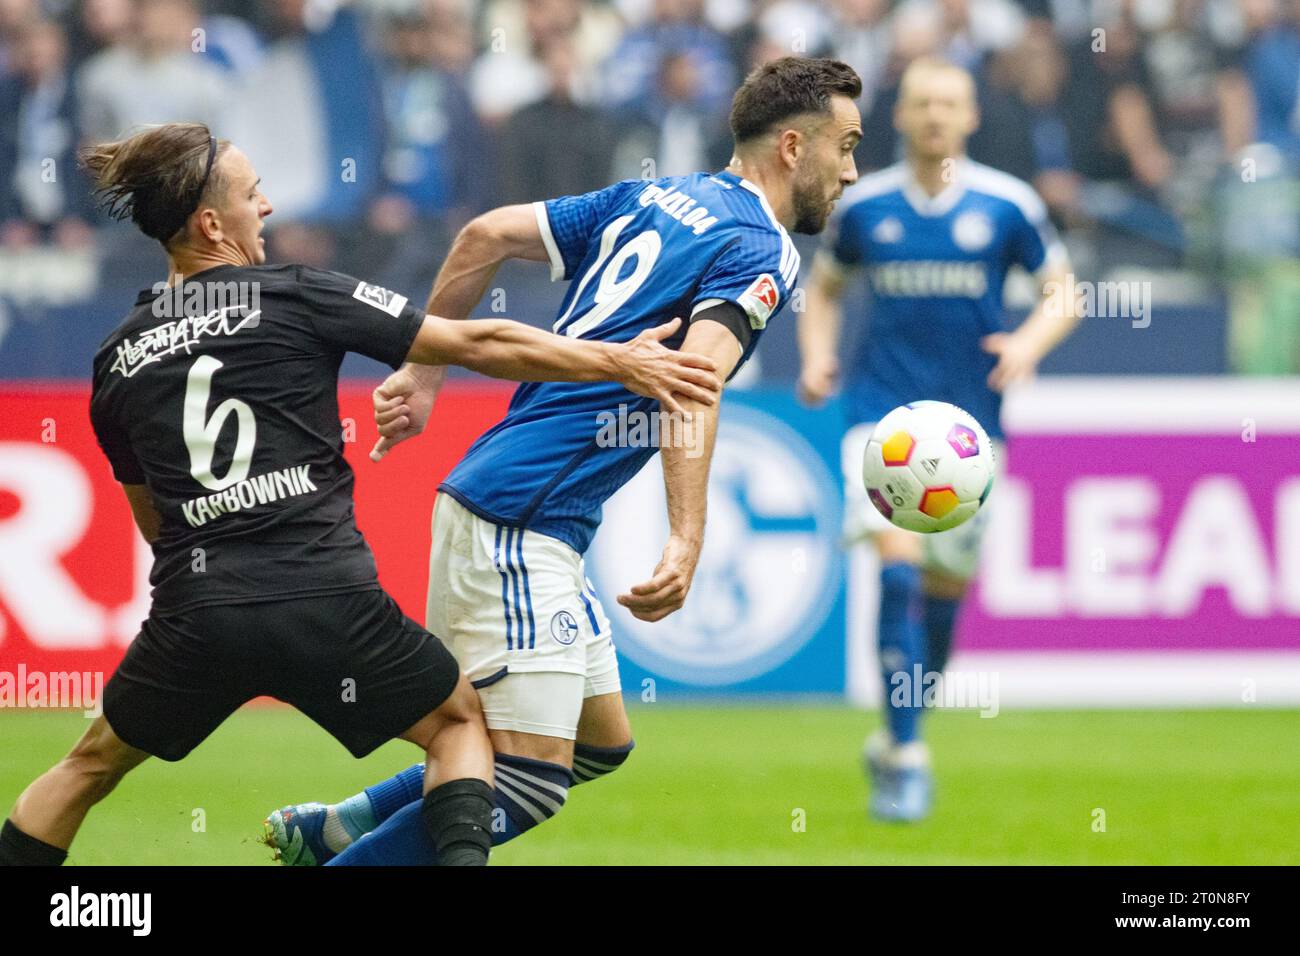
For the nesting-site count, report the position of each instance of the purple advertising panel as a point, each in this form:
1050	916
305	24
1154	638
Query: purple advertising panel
1144	517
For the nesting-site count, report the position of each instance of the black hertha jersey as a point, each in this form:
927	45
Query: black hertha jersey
221	396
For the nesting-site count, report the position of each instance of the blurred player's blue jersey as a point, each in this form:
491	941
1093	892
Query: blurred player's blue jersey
639	254
935	268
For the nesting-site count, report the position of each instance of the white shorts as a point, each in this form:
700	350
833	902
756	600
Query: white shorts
517	611
954	553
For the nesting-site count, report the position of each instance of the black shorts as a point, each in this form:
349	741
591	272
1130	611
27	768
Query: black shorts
352	662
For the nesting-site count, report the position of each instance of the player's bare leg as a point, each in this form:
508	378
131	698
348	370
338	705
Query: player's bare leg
53	807
899	545
604	722
604	737
938	584
457	806
530	772
454	739
445	803
533	768
554	750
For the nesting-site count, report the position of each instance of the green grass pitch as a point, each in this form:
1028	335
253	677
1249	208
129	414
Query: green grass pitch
771	784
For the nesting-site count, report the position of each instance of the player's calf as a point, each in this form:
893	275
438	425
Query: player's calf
604	736
939	611
50	811
457	810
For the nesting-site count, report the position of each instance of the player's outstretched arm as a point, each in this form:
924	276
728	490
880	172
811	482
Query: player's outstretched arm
819	334
1053	319
686	448
505	349
511	350
507	232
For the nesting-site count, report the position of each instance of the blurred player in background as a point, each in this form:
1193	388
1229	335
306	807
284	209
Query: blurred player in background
936	234
507	587
216	403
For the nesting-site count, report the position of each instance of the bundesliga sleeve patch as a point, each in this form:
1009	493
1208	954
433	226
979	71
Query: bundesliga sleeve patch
381	298
760	300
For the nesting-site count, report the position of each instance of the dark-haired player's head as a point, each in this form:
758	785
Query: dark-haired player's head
798	114
195	194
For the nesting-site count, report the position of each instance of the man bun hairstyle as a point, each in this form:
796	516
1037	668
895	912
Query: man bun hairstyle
790	86
157	177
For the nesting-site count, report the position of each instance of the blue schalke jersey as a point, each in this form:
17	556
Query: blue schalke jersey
935	269
639	253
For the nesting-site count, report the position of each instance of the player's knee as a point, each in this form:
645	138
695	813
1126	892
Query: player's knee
591	762
463	706
98	762
898	547
944	584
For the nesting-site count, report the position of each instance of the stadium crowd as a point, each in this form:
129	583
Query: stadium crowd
1163	134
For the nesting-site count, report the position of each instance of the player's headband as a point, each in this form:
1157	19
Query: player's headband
177	220
207	171
137	198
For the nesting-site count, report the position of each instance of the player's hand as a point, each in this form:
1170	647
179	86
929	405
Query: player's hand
666	591
1017	359
818	381
1152	166
650	369
403	404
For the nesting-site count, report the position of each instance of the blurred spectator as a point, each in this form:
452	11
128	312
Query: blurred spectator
972	29
1259	212
557	146
510	74
676	28
725	16
435	154
861	39
1159	132
231	42
103	23
153	76
437	166
914	30
798	27
1272	65
14	15
42	194
1116	58
311	117
1071	20
452	42
1049	127
1199	96
673	130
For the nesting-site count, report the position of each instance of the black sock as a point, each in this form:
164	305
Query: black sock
458	817
19	849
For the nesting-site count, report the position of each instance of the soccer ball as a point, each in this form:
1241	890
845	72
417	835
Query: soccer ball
929	466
